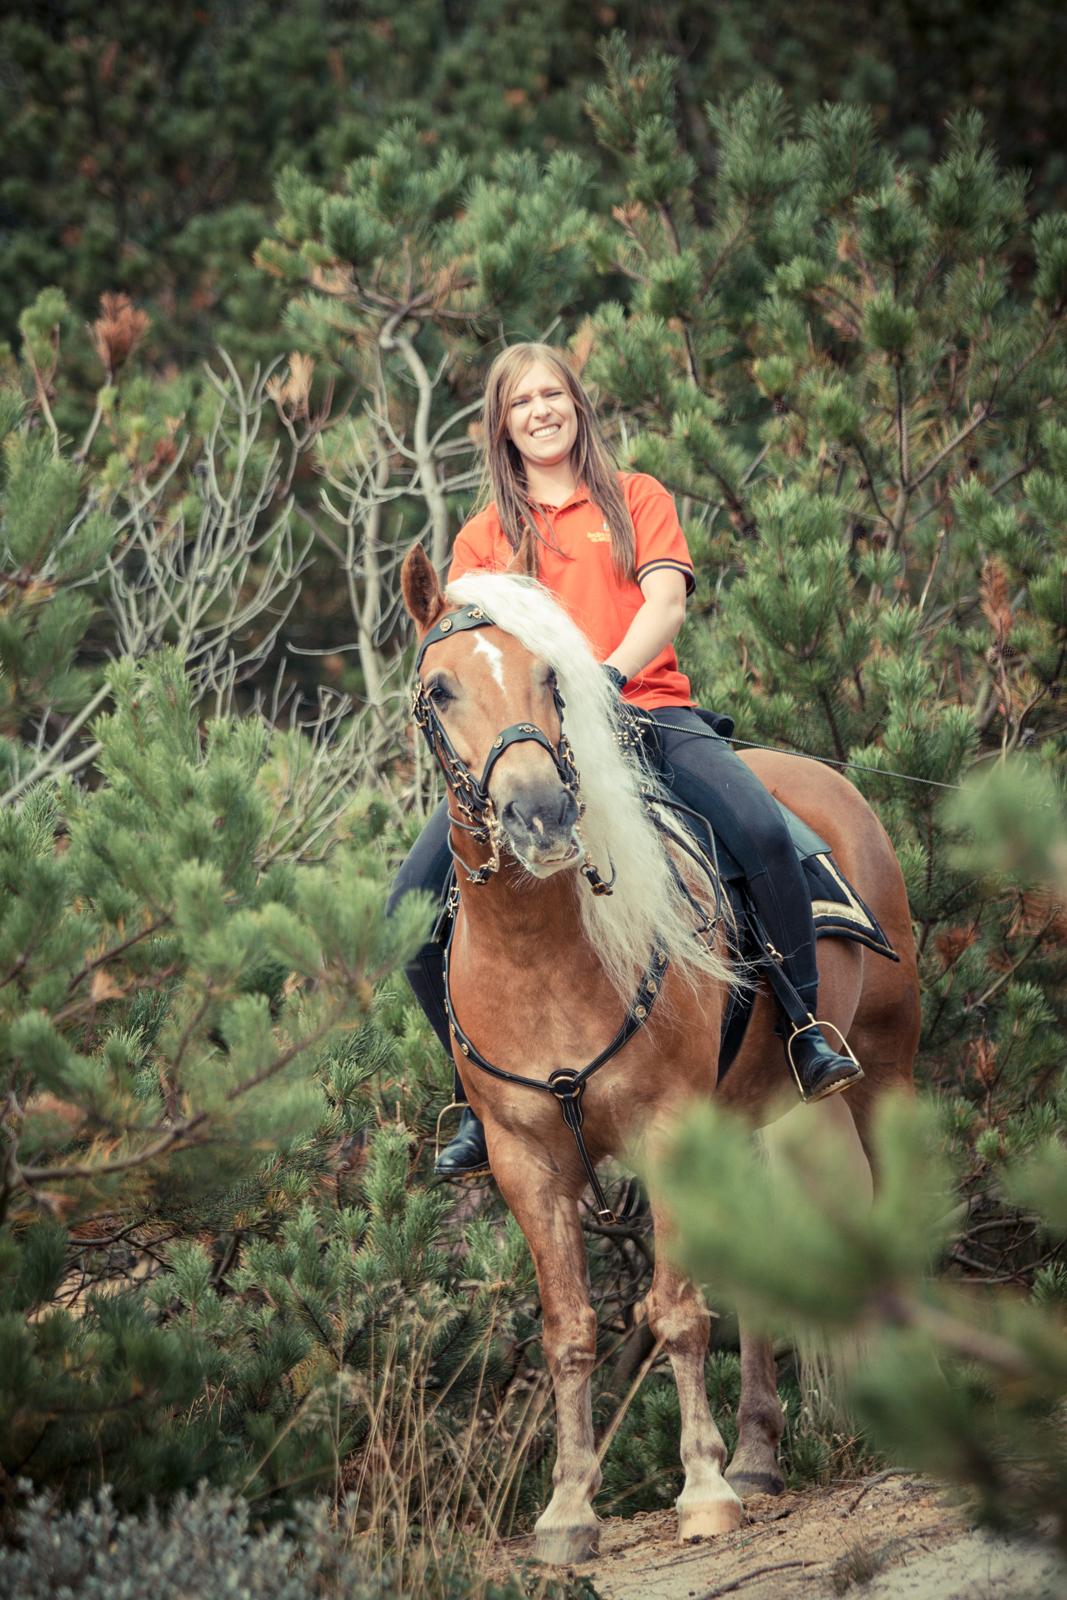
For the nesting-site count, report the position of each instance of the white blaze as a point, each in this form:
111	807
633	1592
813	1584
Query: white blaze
495	654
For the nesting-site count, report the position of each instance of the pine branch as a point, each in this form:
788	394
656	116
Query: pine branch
981	415
116	950
951	1333
49	766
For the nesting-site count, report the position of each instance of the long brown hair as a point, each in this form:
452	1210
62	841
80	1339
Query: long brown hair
504	474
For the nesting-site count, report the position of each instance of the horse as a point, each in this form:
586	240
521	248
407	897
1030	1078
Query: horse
543	962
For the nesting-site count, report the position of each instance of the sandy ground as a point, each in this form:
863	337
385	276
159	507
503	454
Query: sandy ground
884	1538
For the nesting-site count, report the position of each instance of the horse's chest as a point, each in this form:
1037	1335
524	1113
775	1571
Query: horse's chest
534	1020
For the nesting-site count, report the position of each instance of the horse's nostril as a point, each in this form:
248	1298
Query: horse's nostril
540	816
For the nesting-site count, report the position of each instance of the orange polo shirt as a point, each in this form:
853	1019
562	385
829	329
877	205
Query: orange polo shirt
575	563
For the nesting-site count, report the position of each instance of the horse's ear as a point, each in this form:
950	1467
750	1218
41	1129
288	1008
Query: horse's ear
520	563
420	588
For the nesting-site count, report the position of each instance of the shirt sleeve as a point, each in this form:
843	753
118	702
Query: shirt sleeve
659	539
473	550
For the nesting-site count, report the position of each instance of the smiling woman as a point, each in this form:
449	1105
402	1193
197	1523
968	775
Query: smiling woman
609	546
542	424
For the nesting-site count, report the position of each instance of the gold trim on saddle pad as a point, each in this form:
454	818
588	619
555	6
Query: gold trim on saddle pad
848	908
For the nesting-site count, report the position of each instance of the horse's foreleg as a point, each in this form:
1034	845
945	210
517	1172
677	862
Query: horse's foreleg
567	1530
680	1322
754	1466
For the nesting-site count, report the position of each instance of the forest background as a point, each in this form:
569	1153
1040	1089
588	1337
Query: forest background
255	261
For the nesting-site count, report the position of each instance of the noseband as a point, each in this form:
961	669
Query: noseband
471	794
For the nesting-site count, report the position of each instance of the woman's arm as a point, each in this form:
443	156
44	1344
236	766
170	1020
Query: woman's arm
655	625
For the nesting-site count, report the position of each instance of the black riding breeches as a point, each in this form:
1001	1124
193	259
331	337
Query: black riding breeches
426	867
707	775
702	771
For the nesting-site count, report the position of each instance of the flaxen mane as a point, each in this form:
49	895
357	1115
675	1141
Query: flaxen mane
646	905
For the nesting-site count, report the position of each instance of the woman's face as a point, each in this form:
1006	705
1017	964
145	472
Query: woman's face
541	420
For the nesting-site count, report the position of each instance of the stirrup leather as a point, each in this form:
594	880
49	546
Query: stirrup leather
815	1026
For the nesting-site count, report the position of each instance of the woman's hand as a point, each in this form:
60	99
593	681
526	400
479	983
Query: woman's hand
655	625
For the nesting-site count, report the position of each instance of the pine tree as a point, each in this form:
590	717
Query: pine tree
857	410
143	145
968	1388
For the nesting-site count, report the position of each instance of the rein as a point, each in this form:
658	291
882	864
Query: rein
806	755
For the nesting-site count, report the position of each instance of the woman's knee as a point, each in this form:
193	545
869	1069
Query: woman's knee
771	836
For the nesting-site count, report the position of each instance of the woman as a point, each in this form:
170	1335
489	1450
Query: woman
610	547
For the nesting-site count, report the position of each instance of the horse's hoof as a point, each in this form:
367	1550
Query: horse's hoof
708	1519
564	1547
748	1484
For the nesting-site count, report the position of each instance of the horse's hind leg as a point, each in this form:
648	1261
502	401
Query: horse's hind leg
567	1530
754	1465
679	1320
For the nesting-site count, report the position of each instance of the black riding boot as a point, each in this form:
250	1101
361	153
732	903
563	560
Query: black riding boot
427	867
465	1156
818	1069
706	775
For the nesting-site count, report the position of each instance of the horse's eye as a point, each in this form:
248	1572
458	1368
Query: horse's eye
440	694
550	681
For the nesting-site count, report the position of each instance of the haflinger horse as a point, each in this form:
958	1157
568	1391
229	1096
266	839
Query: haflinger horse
541	970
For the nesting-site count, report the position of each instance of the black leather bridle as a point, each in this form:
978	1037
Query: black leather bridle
471	794
566	1084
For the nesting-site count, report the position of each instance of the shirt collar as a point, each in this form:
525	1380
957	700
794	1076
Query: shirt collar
580	494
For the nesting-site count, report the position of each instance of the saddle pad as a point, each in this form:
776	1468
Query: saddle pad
835	906
838	911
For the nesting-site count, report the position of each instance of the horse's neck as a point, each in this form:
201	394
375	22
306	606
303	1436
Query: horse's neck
512	908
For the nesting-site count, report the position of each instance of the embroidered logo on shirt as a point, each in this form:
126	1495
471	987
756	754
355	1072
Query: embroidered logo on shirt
600	535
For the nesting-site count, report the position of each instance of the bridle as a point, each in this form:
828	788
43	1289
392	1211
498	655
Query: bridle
471	794
567	1085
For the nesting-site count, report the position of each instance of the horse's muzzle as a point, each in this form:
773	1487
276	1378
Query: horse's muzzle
538	821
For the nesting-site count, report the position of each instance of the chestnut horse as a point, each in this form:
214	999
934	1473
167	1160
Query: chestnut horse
541	969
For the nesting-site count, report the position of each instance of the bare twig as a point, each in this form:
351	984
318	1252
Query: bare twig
879	1477
750	1577
425	463
49	764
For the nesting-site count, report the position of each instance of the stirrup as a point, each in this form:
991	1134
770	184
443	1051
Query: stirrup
455	1177
815	1026
453	1105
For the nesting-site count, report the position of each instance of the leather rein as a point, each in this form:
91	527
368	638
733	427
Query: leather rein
472	799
